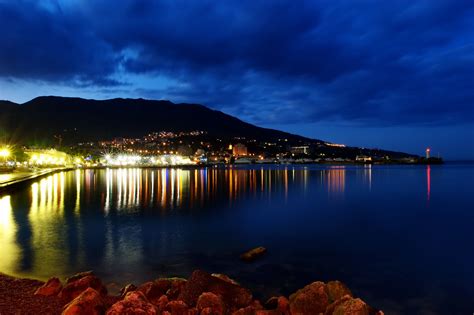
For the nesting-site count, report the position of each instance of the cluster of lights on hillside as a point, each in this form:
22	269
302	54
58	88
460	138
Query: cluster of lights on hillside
135	160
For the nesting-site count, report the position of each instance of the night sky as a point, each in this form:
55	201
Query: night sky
389	74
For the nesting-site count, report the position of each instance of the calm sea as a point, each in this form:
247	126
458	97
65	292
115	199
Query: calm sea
401	237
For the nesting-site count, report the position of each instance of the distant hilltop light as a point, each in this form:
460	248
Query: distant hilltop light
335	145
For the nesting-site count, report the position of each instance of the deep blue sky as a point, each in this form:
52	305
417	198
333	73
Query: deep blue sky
390	74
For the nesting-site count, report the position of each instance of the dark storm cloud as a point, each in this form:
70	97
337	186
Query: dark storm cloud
368	62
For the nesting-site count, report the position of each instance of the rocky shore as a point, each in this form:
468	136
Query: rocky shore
202	294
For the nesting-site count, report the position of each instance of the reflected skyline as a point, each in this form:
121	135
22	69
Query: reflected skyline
89	217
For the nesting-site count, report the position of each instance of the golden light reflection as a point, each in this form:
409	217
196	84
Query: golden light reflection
9	248
336	180
46	224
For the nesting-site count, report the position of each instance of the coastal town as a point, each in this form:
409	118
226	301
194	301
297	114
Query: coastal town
166	148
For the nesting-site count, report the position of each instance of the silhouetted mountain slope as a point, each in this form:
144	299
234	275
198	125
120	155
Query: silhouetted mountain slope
77	119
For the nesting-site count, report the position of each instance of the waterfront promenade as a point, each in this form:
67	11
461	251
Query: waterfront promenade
11	179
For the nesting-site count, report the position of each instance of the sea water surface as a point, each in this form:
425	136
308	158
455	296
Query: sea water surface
401	237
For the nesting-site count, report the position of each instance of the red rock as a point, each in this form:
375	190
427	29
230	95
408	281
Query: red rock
177	284
350	306
134	303
233	296
153	290
126	289
249	310
76	287
78	276
177	308
161	303
312	299
88	302
330	309
211	301
253	254
283	305
271	303
267	312
336	290
52	287
225	278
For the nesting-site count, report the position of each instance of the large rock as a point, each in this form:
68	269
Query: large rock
177	284
161	303
153	290
233	296
336	290
211	301
88	302
178	308
249	310
310	300
76	285
253	254
283	305
52	287
134	303
348	306
79	275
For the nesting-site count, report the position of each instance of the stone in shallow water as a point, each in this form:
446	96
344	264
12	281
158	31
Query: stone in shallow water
253	254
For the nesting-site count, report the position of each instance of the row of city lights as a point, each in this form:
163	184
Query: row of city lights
130	160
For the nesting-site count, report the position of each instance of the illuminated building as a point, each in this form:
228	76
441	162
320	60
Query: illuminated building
239	150
363	158
48	157
428	153
304	149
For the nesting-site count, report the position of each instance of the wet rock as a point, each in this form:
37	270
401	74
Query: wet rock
225	278
134	303
271	303
283	305
267	312
249	310
233	296
126	289
177	284
373	311
75	287
253	254
52	287
312	299
348	306
153	290
177	308
161	303
79	275
211	301
89	302
336	290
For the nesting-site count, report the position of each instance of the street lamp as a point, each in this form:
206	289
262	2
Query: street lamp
5	153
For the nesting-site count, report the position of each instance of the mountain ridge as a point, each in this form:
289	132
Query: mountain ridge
46	116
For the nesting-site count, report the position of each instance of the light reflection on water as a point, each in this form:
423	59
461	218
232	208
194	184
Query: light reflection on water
50	215
141	223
